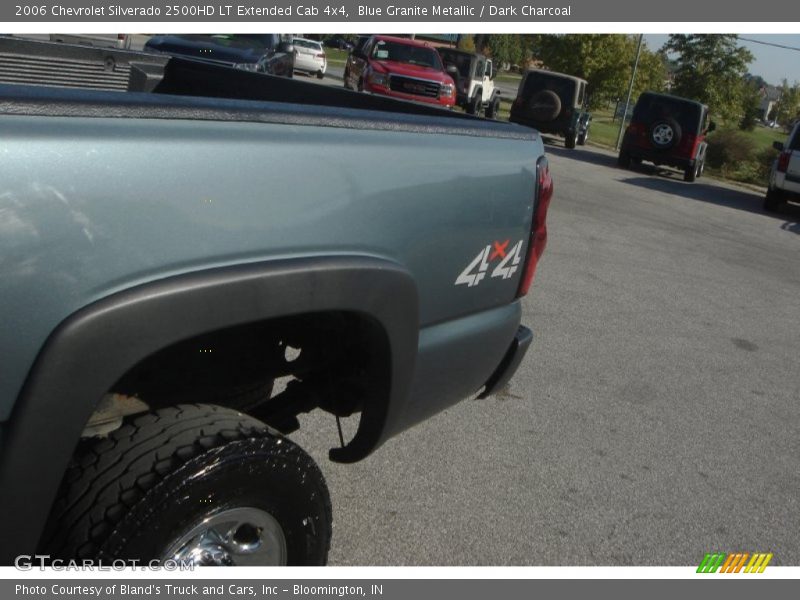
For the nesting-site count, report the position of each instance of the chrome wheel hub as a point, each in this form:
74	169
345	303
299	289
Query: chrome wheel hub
235	537
663	134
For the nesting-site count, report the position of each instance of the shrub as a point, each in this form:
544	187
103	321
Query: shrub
765	158
735	157
728	149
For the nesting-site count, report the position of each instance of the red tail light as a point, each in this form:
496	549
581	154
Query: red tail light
320	56
544	192
783	161
689	144
637	129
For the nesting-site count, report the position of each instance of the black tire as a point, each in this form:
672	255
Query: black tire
571	139
773	200
493	108
665	133
582	139
360	87
624	159
545	106
320	75
690	173
474	106
135	493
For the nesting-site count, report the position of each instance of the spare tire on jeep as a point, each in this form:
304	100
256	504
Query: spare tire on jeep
545	105
665	133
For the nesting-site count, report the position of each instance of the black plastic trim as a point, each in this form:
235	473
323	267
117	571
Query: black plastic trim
510	363
91	349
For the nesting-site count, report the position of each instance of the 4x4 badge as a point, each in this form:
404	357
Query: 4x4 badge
477	269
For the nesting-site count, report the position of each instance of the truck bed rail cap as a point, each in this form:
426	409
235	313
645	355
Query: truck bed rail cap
62	102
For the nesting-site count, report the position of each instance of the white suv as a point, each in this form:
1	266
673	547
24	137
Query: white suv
784	178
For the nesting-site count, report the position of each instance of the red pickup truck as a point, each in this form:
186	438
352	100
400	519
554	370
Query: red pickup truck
399	67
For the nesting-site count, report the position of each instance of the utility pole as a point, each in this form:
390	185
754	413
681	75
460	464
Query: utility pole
630	91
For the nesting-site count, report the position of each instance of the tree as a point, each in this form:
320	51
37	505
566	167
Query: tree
466	42
505	49
711	69
787	109
604	61
751	104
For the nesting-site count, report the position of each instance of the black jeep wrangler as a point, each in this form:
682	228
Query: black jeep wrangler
553	103
667	130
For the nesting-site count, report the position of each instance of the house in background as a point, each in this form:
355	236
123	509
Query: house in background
770	95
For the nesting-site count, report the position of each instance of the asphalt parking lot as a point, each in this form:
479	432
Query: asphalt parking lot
654	419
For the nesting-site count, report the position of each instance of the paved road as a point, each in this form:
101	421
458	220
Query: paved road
654	419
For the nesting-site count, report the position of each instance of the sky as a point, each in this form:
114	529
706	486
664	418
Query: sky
773	64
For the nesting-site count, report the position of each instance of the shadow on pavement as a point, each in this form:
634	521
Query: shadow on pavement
670	181
581	153
722	196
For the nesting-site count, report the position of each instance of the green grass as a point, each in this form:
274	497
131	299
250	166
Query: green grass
762	137
506	77
335	55
604	130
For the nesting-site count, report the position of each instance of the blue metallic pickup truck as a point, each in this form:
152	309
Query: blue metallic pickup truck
166	256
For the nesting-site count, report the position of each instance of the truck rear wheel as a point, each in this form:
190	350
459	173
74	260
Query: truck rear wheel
773	200
196	483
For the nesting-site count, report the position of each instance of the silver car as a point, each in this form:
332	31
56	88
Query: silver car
309	57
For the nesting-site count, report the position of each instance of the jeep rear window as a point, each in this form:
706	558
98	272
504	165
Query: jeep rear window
460	61
652	108
536	82
414	55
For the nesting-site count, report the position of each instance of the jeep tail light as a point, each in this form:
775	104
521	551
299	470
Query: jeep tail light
783	161
690	144
544	192
637	129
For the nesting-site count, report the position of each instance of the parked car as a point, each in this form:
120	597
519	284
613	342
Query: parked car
164	253
401	68
552	103
264	53
784	177
309	57
667	130
338	42
474	76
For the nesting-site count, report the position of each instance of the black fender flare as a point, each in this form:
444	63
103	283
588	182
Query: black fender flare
88	352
